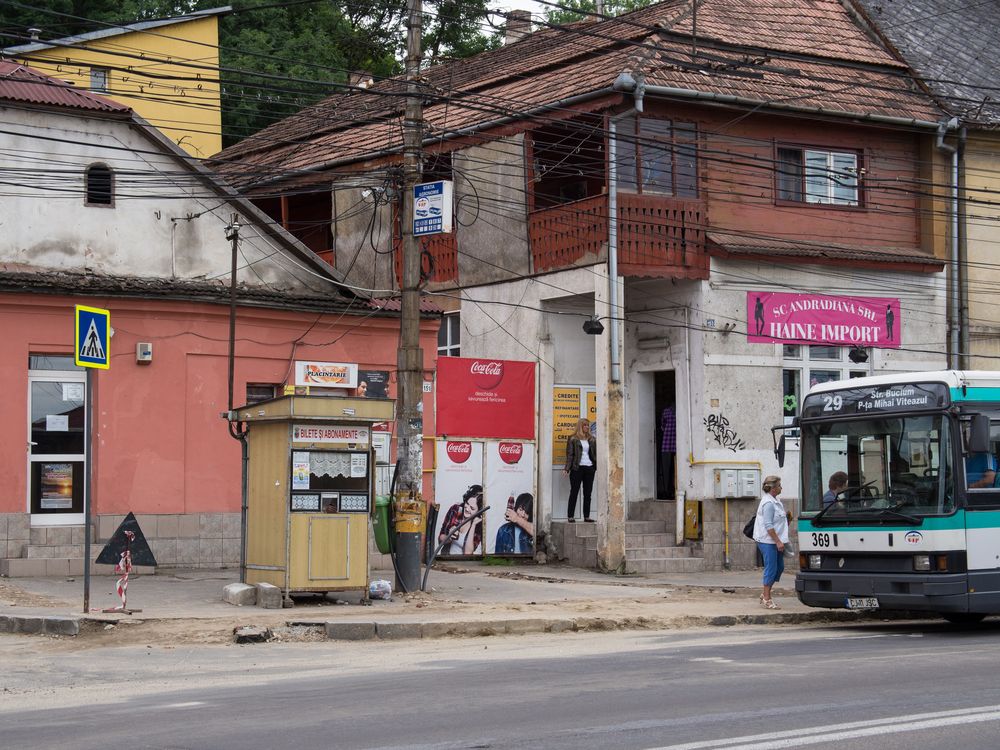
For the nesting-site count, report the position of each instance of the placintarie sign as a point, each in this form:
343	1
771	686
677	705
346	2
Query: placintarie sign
790	318
326	374
307	433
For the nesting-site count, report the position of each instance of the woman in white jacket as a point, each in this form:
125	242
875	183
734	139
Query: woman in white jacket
770	531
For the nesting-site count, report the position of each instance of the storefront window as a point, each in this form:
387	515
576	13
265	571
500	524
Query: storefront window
824	364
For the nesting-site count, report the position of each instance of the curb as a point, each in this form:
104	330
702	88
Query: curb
386	631
38	625
419	630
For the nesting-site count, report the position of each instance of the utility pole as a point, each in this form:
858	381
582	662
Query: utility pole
409	504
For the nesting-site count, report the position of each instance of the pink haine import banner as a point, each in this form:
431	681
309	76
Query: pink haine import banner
788	318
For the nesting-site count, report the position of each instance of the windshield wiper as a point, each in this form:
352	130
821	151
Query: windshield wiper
893	511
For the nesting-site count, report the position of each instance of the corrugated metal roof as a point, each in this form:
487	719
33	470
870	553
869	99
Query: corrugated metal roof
739	244
19	83
117	31
807	54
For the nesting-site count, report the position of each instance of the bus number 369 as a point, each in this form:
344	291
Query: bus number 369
821	540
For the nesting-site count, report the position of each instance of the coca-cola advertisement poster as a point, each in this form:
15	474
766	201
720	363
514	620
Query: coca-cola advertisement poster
458	488
510	495
486	398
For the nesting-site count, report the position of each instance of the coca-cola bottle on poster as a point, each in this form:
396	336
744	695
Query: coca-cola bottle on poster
510	502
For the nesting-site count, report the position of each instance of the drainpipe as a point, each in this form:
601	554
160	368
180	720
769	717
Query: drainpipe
954	305
961	235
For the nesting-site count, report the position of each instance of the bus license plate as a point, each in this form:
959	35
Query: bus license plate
862	602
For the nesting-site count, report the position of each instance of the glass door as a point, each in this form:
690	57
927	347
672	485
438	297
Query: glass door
57	432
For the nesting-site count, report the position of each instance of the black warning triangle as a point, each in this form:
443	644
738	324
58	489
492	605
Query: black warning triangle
141	553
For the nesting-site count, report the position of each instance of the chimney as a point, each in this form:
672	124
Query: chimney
518	25
360	78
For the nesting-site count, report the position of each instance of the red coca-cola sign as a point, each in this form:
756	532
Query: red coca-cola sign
485	398
459	452
510	453
486	373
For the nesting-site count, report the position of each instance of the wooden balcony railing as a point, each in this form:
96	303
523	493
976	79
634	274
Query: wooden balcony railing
661	236
566	234
438	261
658	236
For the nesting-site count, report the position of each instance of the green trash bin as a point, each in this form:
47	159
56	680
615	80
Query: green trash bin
381	525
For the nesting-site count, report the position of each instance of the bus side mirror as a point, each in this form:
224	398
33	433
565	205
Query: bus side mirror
779	451
979	434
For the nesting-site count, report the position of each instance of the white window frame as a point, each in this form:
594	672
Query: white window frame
100	77
451	326
829	178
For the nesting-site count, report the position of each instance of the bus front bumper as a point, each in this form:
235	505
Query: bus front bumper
924	593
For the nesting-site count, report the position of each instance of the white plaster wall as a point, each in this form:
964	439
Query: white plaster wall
538	319
165	223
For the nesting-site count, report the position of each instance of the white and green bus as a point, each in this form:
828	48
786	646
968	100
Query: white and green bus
900	505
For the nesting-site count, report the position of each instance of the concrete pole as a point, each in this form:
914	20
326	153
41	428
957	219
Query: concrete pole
611	437
409	417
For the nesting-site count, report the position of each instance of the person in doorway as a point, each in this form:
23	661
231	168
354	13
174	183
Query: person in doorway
517	536
668	448
458	524
770	531
838	481
581	464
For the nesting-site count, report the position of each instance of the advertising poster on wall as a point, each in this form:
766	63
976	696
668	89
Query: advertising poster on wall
487	398
565	412
458	487
373	384
326	374
567	409
510	493
789	318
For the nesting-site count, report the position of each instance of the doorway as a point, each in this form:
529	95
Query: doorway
57	392
665	411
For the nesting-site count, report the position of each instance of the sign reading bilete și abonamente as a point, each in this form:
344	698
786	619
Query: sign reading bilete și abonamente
790	318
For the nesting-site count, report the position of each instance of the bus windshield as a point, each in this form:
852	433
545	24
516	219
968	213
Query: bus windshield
888	468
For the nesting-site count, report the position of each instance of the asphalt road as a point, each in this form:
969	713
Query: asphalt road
899	685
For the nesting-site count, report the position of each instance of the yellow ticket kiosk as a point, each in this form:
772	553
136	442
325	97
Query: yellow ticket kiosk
310	491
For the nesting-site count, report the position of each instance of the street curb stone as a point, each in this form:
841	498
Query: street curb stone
39	625
350	631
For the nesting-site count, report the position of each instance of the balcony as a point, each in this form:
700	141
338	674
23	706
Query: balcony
438	257
658	236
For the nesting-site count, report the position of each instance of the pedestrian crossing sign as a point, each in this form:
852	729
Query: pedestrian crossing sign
93	332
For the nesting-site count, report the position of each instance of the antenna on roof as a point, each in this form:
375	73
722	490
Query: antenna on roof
33	33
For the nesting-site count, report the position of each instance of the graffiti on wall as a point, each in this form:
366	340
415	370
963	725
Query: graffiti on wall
724	435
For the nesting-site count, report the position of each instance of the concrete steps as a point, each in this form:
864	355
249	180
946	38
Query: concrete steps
649	542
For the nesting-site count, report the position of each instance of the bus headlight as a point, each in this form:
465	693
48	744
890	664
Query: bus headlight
921	562
815	562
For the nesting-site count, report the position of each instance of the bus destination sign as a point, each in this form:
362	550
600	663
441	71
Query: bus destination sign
877	399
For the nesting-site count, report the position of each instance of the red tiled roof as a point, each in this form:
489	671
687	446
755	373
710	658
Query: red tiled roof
806	54
19	83
739	244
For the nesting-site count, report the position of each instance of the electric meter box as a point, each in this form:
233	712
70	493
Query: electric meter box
748	482
734	483
310	490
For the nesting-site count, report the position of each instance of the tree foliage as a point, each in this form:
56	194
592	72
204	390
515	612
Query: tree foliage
572	11
277	57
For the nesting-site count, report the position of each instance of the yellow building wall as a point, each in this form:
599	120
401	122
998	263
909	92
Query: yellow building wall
982	184
168	75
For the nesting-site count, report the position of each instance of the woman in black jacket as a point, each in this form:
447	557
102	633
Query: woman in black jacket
581	463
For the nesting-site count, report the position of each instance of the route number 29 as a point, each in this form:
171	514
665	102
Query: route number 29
833	403
820	540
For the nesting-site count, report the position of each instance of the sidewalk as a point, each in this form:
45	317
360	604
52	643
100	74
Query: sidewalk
463	599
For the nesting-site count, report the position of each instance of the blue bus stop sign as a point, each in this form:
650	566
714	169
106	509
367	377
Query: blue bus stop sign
93	332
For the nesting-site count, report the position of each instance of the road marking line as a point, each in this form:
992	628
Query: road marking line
715	659
189	704
850	730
